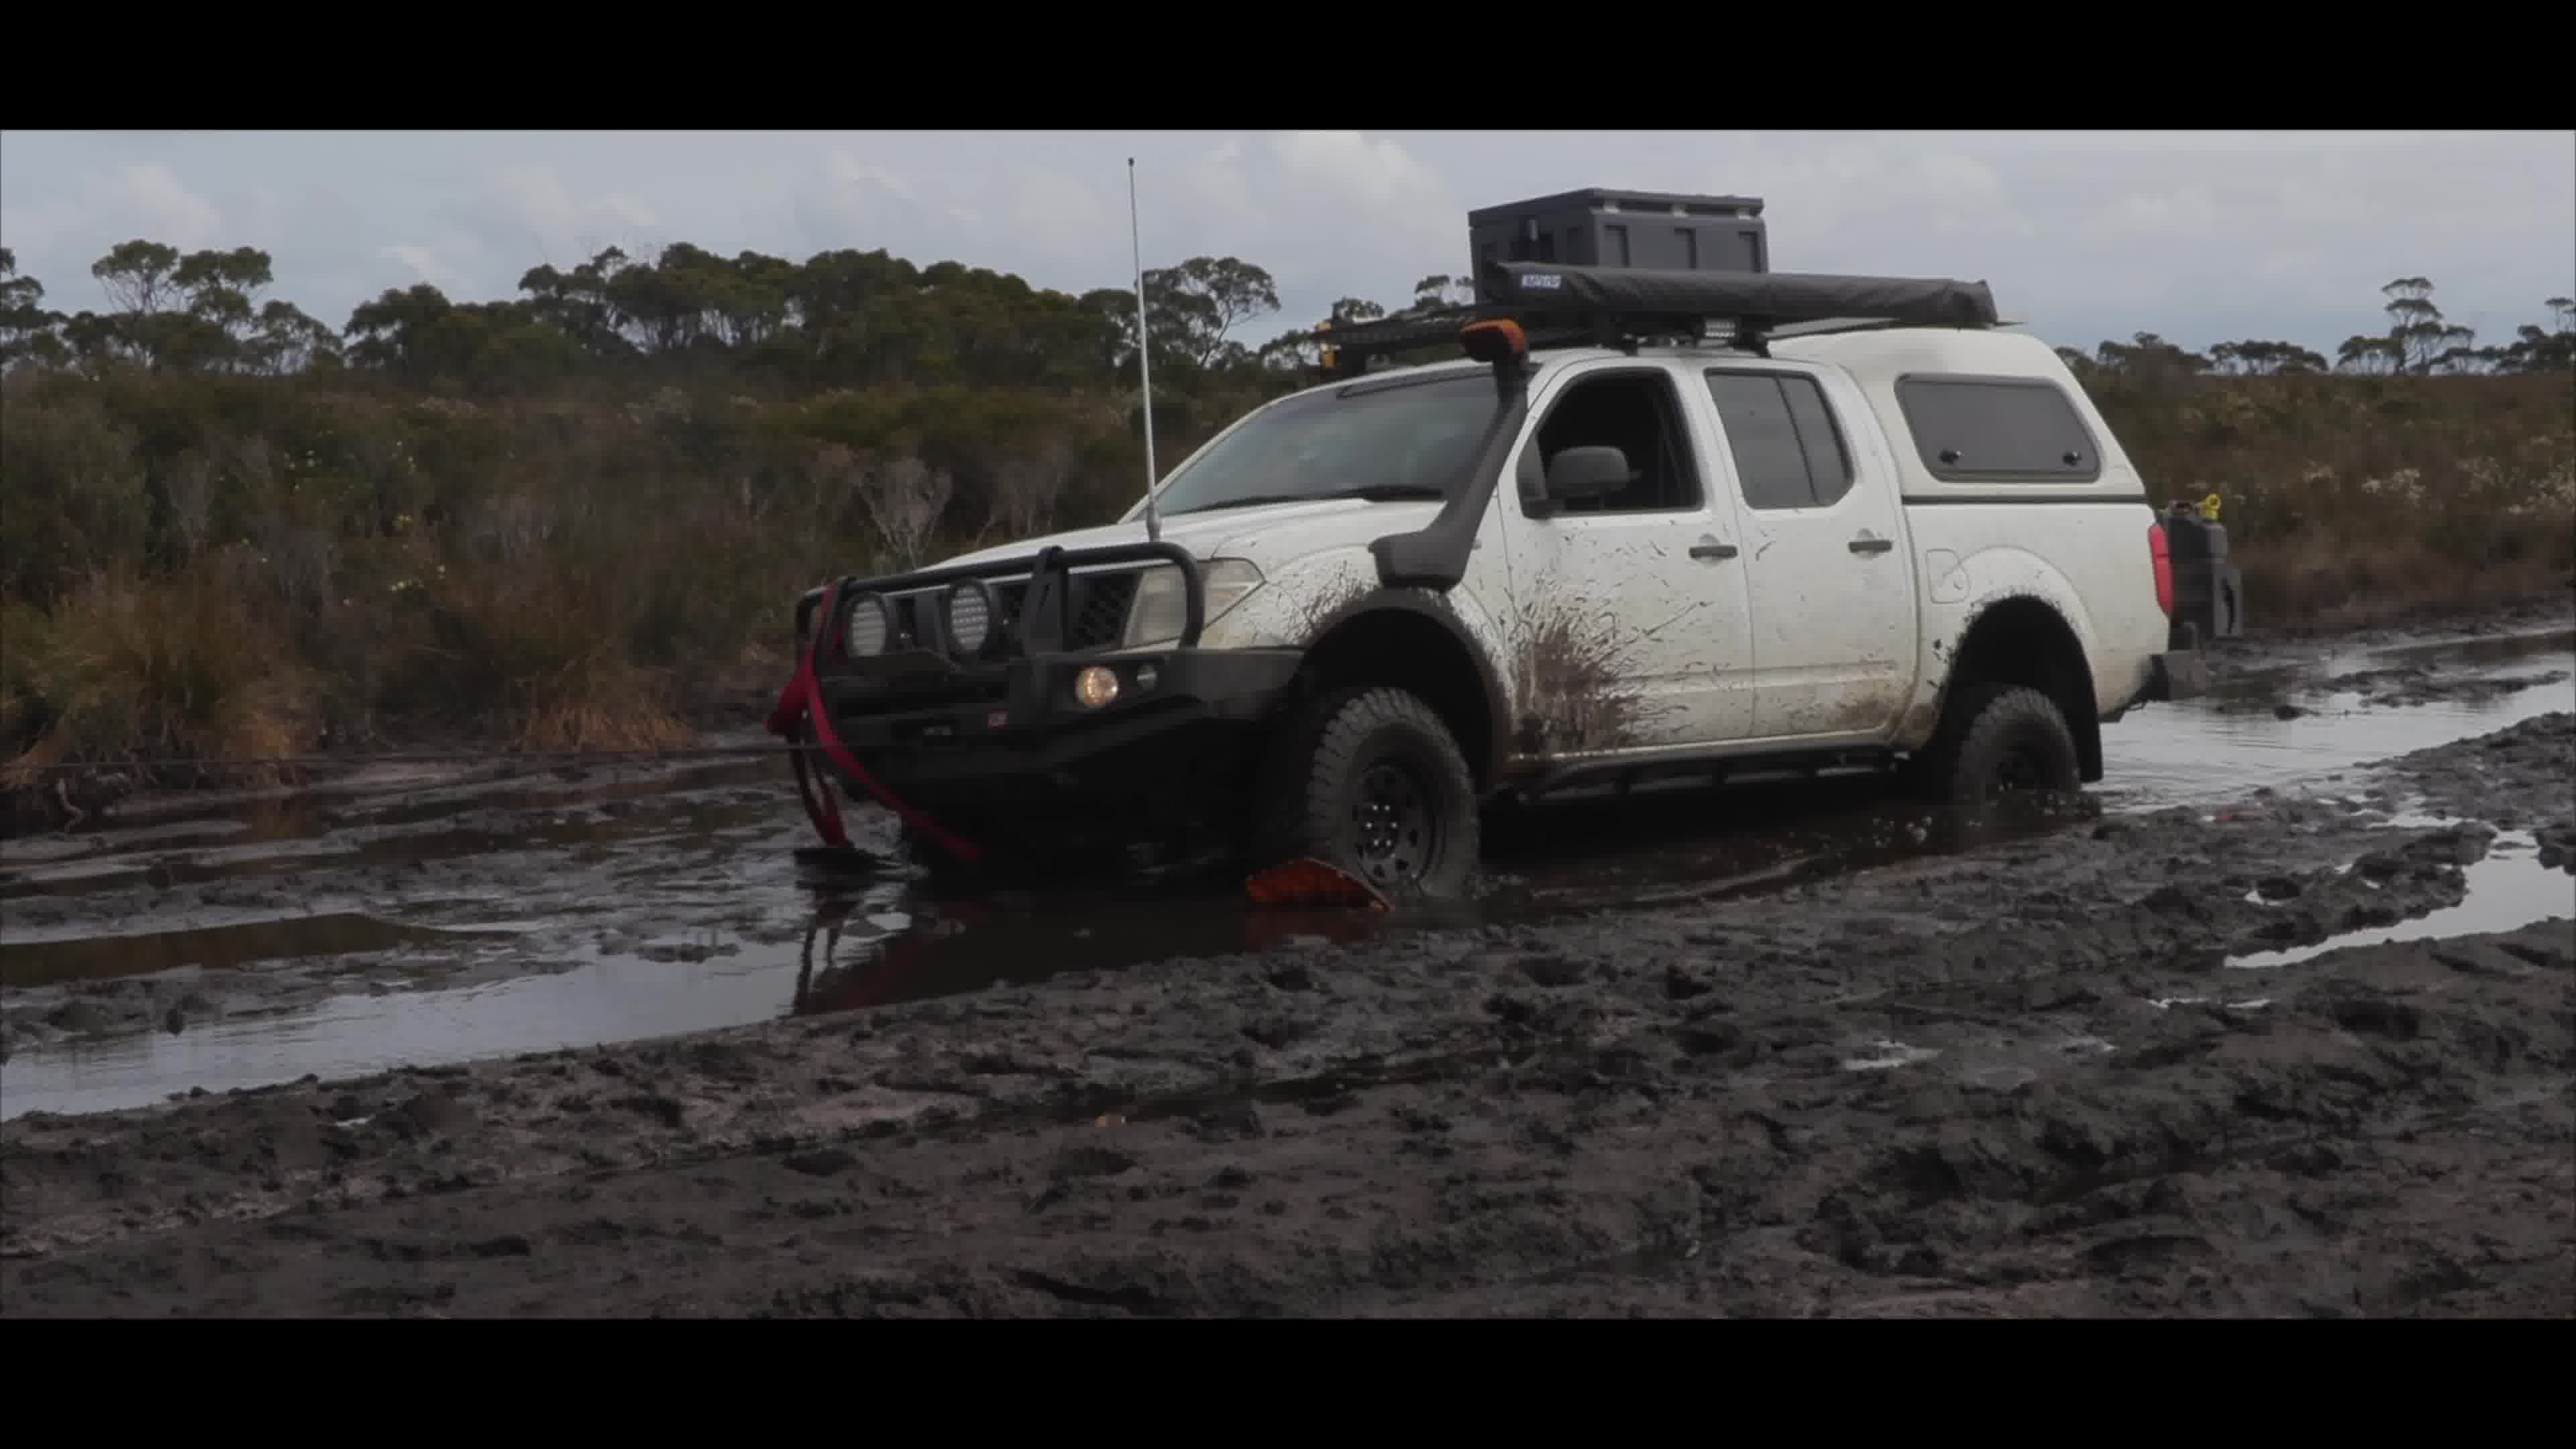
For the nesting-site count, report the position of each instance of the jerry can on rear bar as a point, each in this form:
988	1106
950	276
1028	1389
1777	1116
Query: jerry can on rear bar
2209	592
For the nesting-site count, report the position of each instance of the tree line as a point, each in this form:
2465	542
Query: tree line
848	318
2419	342
841	318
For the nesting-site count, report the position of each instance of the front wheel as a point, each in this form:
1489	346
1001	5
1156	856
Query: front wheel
1369	781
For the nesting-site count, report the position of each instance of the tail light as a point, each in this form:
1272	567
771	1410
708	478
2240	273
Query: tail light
2162	552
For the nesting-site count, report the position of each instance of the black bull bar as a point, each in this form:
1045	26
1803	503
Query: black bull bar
1044	620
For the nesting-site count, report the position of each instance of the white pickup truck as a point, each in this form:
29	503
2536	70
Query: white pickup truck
1610	545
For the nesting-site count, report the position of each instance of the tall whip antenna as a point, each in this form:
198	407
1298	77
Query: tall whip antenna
1144	368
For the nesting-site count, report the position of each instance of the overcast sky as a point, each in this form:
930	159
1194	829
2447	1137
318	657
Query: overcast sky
2202	236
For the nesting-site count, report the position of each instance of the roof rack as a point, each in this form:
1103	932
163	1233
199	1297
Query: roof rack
1625	307
1348	346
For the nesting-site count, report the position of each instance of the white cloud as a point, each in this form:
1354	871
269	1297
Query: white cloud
101	210
531	196
1377	172
1217	182
2184	213
164	209
427	265
1065	219
852	203
524	211
849	172
34	231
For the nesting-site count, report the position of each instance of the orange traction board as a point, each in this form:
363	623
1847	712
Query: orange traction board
1311	882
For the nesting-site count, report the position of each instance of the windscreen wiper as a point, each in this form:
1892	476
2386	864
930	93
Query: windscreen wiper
1375	493
1392	492
1249	500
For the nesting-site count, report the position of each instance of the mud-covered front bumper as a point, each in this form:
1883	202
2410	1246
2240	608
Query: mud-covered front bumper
981	725
1023	720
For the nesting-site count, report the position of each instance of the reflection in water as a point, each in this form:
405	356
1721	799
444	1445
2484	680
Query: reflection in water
2202	751
26	962
956	946
2508	890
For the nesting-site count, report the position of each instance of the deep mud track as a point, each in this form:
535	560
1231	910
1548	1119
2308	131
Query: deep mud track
2299	1048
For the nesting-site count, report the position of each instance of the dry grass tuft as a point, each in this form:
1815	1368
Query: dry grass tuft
180	670
541	651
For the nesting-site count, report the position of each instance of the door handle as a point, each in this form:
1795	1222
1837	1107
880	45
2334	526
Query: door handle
1872	545
1710	548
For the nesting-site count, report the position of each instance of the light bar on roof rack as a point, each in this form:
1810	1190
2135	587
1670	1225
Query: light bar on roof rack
1352	344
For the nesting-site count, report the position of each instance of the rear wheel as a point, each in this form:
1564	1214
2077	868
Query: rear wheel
2001	742
1369	780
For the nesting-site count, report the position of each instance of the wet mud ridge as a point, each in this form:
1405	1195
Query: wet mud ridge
2305	1054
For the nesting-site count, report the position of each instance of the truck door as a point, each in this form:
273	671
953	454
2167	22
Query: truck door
1825	562
1630	624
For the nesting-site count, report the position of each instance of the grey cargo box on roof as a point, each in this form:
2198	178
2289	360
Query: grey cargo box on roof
1598	227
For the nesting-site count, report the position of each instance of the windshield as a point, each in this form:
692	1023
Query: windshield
1410	440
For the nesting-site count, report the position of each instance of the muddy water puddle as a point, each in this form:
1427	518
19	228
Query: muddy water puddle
289	844
683	930
2509	889
32	959
2285	729
476	923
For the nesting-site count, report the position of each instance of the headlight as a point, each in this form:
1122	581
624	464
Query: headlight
1161	611
870	625
970	616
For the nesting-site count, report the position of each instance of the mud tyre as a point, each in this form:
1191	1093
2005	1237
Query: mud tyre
2002	740
1369	780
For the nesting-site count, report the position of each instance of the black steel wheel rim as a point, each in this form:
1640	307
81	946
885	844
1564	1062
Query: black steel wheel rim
2024	769
1395	832
2018	771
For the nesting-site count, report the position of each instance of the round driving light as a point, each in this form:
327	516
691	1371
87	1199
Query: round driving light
970	616
1095	687
1146	674
871	624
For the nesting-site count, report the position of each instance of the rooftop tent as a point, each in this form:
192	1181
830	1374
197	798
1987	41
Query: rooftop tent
1764	300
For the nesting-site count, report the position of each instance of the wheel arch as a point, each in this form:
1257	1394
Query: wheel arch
2023	639
1415	641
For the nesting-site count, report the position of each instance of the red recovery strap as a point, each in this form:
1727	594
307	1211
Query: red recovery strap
803	697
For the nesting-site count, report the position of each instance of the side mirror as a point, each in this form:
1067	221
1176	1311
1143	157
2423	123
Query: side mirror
1579	473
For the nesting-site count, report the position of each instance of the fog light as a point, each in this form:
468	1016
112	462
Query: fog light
870	626
1095	687
1146	674
970	616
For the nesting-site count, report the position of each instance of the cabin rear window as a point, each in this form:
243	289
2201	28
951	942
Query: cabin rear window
2003	429
1788	453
